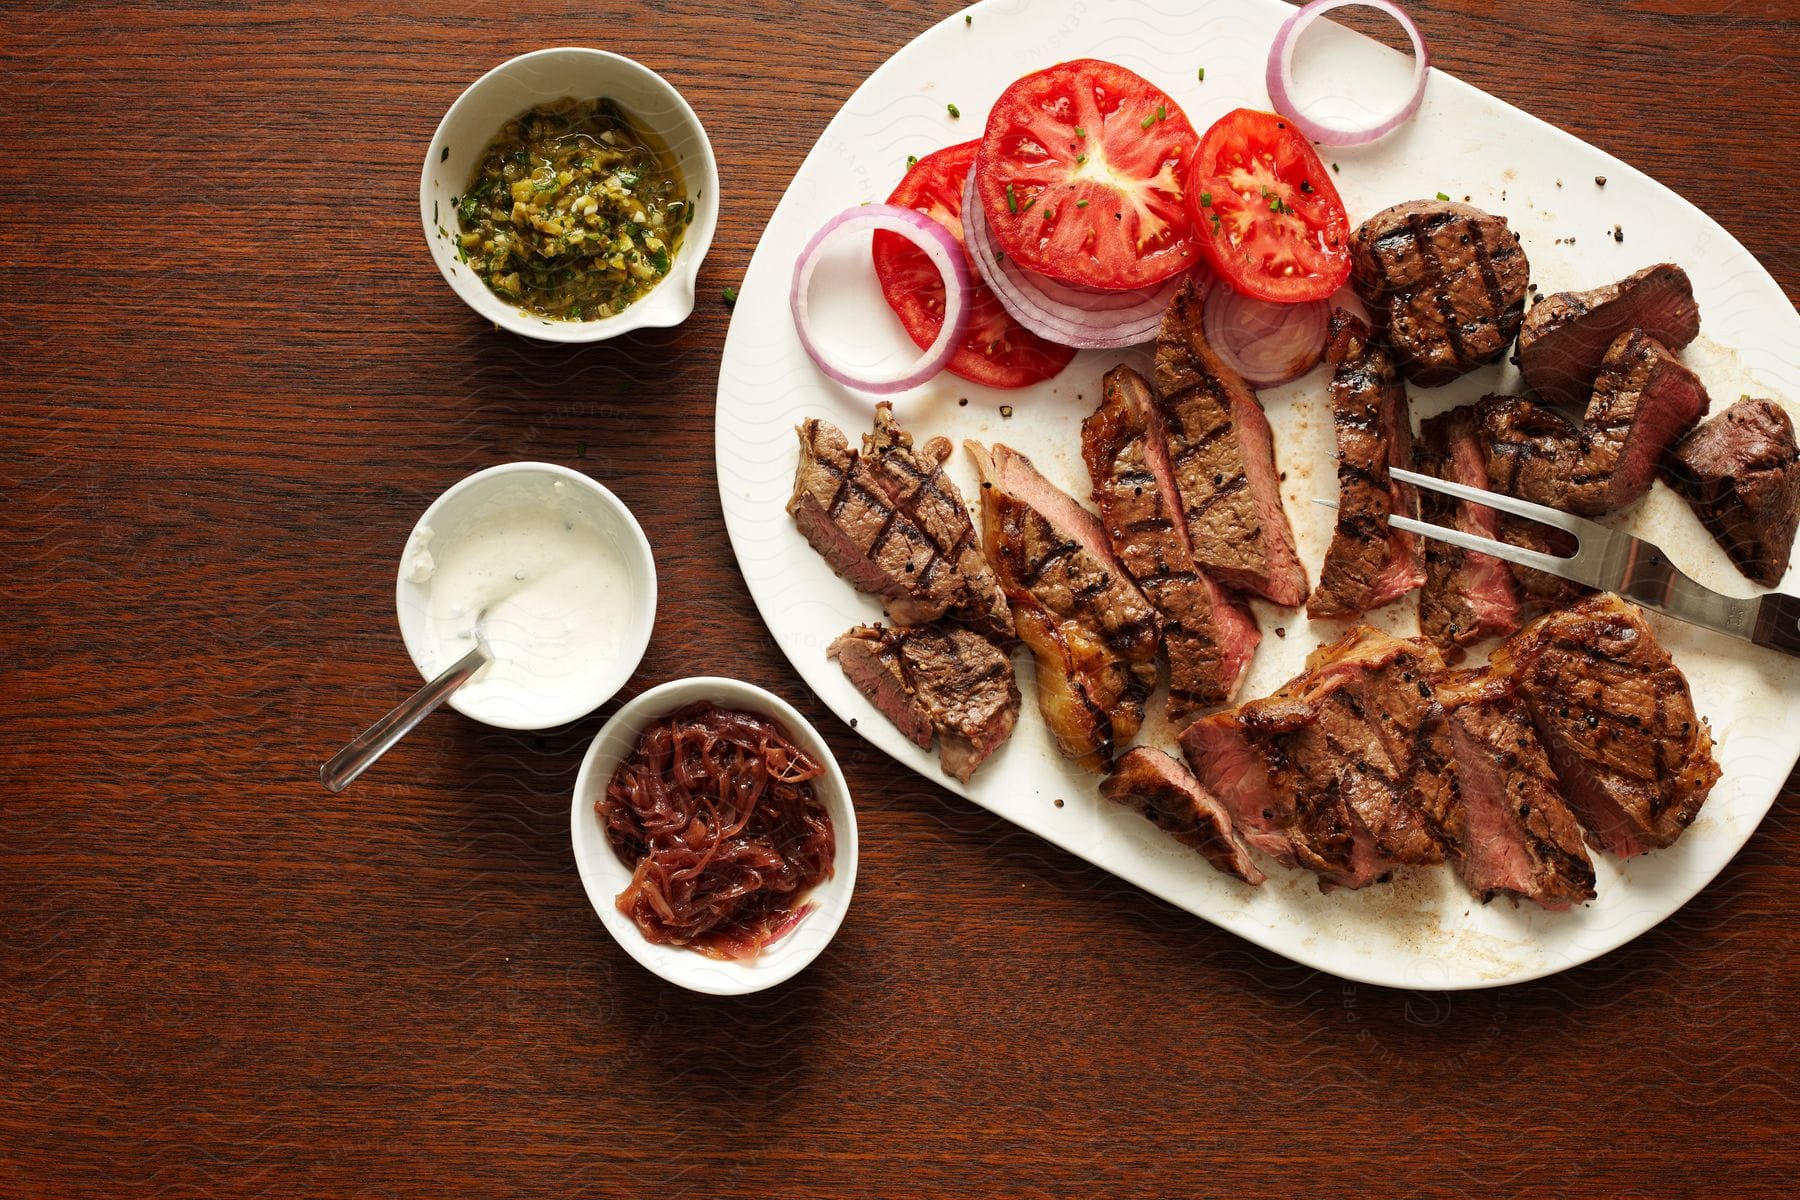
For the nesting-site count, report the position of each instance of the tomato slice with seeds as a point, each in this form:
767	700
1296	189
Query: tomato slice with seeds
996	350
1266	214
1081	173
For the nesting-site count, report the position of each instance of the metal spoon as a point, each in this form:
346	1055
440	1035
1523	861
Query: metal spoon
344	766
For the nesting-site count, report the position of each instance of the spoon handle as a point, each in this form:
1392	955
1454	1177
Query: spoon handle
379	738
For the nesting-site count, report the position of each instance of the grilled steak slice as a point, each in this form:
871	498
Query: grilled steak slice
1209	636
843	510
1092	631
1532	453
1566	335
1467	595
915	483
1368	564
1507	826
1741	473
936	679
1644	401
1223	457
1617	719
1321	773
1445	282
1173	800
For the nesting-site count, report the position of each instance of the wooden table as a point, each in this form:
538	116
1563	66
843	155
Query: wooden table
232	379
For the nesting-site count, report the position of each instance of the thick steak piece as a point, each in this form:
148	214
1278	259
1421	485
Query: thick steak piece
894	527
1446	284
1616	717
1741	473
1161	789
1223	457
915	483
1507	827
1208	635
1321	773
1092	632
938	679
1642	402
1531	451
1566	335
1368	564
1467	595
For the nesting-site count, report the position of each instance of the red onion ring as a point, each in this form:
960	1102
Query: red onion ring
939	245
1085	318
1280	75
1266	343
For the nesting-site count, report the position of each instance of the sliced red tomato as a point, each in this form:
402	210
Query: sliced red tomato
996	350
1265	212
1081	173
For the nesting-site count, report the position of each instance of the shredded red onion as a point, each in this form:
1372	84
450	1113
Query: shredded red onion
939	245
1085	318
1280	75
1266	343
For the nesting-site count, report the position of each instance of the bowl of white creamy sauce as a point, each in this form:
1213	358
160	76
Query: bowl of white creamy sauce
551	570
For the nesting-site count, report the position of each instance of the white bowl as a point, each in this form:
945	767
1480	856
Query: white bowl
521	84
460	511
605	875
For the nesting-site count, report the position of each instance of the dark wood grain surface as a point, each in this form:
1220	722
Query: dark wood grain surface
230	381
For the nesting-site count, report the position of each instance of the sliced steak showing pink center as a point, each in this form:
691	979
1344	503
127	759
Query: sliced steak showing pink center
1222	456
936	679
1508	828
1235	772
1741	474
1209	637
1093	633
1445	283
1566	335
915	483
1368	564
1644	401
1467	595
1165	793
1617	719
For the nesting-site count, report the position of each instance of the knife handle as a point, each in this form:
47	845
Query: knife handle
1778	623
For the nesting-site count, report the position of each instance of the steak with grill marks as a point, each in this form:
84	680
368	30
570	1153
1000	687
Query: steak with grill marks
903	546
1368	564
1163	791
1209	637
1642	402
1446	284
1527	445
915	483
1741	474
1321	773
1508	829
1467	595
1092	632
938	679
1222	454
1566	335
1618	722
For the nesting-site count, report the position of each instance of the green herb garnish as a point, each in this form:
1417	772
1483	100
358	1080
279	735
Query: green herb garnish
1012	201
952	110
729	295
1442	196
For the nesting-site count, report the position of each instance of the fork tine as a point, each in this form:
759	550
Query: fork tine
1523	508
1548	563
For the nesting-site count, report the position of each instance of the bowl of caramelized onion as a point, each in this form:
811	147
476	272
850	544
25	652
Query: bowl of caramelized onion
715	835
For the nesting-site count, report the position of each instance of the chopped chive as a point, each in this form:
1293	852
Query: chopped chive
1049	213
1442	196
729	295
1080	159
445	156
912	160
999	254
1334	168
1080	132
968	19
952	110
1012	201
1202	74
1147	122
1162	112
1205	199
1081	204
